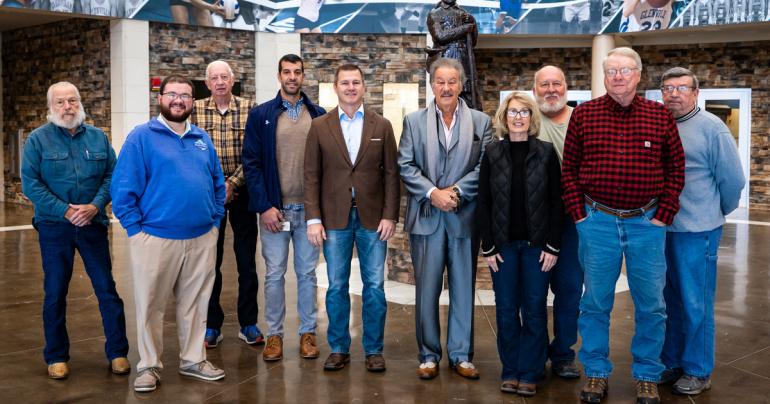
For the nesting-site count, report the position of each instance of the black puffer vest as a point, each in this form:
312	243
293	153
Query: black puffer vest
536	185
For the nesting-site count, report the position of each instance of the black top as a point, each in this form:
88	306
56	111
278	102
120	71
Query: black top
518	223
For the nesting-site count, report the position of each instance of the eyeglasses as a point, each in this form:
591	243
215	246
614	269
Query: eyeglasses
173	96
513	113
547	84
681	89
624	71
61	101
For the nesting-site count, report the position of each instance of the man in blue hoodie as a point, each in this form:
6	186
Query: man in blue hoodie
168	192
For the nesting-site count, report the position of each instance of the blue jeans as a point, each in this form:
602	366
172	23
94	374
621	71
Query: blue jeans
520	285
338	252
58	242
604	241
275	251
567	287
689	293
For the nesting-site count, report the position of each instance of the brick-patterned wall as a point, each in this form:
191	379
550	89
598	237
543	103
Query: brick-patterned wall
187	50
33	58
383	59
731	65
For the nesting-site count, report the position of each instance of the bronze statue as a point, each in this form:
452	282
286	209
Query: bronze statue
454	34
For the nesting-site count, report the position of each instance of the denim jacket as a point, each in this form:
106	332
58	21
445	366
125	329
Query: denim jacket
59	169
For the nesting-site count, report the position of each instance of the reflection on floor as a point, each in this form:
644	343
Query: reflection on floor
741	375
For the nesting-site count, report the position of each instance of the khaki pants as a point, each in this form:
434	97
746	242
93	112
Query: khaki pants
160	266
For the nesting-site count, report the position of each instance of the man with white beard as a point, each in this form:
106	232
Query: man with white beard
66	173
550	90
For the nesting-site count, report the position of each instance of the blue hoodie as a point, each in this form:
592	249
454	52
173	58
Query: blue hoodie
166	185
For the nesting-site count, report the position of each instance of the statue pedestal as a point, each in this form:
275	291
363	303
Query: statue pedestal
400	267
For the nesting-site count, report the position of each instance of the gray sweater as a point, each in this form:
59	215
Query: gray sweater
713	173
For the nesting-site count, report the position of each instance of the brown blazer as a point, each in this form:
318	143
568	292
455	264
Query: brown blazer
330	176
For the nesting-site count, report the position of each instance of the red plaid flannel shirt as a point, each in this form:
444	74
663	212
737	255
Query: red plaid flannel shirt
623	157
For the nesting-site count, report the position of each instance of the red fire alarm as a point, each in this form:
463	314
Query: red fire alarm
154	84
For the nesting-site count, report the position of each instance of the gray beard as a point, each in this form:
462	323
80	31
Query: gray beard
547	108
80	117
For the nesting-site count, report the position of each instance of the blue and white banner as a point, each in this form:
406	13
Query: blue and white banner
550	17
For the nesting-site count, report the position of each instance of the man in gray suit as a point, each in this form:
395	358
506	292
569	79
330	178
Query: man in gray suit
442	182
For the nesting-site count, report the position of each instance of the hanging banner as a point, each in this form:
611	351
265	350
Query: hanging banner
542	17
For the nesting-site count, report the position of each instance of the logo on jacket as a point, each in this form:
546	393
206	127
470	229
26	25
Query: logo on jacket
201	145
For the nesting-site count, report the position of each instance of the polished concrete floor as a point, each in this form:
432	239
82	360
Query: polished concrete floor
742	374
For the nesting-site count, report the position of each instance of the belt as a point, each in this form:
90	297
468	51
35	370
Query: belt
621	213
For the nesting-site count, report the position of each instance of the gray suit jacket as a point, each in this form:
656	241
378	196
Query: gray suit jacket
412	162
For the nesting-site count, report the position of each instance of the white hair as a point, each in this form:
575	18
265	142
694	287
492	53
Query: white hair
210	65
80	115
626	52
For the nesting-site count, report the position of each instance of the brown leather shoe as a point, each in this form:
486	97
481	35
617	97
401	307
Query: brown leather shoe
120	366
58	370
307	346
336	361
427	372
273	348
594	390
510	386
466	370
375	363
527	389
647	392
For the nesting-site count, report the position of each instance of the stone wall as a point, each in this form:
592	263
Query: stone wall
187	50
383	59
33	58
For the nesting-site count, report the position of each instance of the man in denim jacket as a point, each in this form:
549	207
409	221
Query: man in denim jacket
66	173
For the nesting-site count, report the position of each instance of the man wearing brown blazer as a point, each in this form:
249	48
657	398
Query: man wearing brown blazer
352	196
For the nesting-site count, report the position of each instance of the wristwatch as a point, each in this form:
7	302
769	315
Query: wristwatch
457	196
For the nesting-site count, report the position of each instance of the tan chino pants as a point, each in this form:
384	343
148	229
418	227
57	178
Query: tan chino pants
186	268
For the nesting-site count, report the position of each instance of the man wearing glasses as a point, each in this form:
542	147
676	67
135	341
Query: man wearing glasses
623	170
713	183
169	193
66	173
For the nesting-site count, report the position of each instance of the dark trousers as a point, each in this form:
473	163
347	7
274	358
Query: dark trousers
244	225
58	242
521	289
567	287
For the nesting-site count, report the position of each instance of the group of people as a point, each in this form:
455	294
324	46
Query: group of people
558	199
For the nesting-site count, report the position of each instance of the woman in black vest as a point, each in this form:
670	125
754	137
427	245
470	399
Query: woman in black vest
519	214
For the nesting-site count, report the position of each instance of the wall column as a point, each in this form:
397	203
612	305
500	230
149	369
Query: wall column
130	76
602	44
268	49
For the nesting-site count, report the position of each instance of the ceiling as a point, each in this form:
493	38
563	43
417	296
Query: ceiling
14	18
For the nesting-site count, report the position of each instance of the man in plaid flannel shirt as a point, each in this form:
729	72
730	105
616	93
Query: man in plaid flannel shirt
223	117
622	173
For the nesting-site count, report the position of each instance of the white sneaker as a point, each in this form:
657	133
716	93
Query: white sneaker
147	380
203	370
